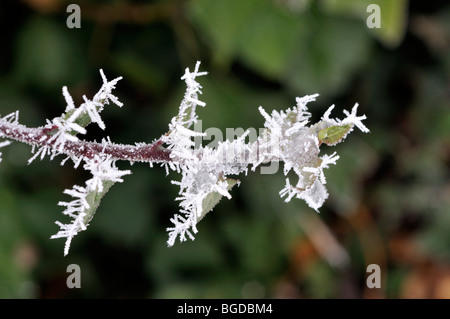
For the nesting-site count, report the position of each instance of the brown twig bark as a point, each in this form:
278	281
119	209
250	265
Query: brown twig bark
41	137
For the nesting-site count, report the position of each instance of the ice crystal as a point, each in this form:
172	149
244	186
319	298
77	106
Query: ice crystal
3	144
103	169
76	209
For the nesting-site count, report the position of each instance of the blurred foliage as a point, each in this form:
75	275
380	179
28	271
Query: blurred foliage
389	198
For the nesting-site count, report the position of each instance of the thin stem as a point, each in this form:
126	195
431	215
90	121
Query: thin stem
41	137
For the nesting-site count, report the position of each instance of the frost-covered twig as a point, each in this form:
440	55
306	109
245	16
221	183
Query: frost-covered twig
205	171
59	137
287	139
40	138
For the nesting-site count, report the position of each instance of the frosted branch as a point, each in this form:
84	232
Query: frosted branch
206	172
287	139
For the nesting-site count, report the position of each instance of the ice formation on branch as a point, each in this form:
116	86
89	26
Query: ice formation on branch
77	210
288	137
59	136
82	208
72	122
102	167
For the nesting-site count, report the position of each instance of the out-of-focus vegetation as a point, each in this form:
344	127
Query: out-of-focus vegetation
389	198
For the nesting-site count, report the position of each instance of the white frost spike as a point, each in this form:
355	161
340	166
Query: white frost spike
302	106
326	115
12	118
44	150
314	196
75	205
326	161
186	115
76	210
264	114
179	140
3	144
356	120
65	127
68	98
63	134
351	119
329	159
105	95
288	191
103	168
181	228
93	109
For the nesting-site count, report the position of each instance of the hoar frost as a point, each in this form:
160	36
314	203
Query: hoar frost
101	166
287	137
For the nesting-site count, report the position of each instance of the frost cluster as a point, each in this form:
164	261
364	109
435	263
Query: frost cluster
101	166
206	172
69	124
80	209
287	138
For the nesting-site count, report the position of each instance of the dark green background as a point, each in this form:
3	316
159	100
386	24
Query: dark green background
389	198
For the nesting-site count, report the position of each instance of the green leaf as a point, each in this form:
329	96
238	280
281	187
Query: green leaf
213	198
94	198
333	134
